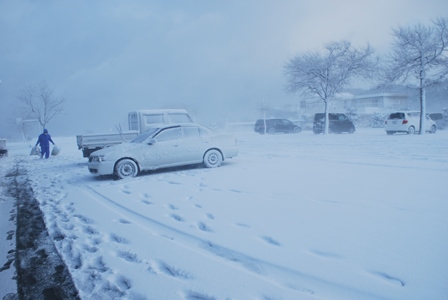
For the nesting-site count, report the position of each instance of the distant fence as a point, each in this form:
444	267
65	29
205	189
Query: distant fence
240	127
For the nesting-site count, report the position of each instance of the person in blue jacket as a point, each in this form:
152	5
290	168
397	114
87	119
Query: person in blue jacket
44	141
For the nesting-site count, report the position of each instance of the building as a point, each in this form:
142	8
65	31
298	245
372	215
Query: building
363	104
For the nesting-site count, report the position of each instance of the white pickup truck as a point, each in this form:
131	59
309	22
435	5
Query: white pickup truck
138	122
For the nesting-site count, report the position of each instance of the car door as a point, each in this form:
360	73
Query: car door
286	125
428	123
343	123
165	151
195	141
333	123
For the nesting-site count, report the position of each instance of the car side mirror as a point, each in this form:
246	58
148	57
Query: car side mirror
152	141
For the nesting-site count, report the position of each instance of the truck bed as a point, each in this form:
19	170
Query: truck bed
92	142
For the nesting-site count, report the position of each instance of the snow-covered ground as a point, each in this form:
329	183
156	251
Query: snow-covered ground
293	216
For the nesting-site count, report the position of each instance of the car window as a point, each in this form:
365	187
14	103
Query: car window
145	135
179	118
169	134
190	132
342	118
396	116
204	132
154	119
436	116
318	117
333	117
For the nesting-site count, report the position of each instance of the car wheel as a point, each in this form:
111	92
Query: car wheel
351	130
411	130
126	168
433	129
389	132
212	158
297	130
271	130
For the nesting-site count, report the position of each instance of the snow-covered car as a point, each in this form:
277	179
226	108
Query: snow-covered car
407	122
339	123
276	125
440	120
164	146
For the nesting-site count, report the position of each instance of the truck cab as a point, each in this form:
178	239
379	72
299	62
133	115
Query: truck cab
141	120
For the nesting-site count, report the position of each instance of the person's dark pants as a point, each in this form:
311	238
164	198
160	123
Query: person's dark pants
45	151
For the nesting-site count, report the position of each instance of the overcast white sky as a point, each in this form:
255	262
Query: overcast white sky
110	57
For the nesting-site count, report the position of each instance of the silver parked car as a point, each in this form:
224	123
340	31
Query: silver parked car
164	146
407	122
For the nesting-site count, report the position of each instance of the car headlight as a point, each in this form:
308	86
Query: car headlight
97	158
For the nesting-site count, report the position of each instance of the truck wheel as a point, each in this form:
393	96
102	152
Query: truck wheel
126	168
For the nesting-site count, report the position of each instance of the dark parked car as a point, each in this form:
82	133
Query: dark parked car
441	122
338	123
276	125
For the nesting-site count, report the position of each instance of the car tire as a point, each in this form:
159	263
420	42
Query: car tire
271	130
297	130
433	129
126	168
411	130
212	158
351	130
389	132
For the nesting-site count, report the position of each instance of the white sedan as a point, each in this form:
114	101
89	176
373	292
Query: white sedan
162	147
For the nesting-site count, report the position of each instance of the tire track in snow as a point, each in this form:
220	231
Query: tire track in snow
265	270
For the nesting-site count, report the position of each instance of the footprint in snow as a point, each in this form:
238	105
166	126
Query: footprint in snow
204	227
393	279
123	283
270	240
172	207
123	221
128	256
326	254
90	230
177	218
118	239
173	271
83	219
242	225
192	295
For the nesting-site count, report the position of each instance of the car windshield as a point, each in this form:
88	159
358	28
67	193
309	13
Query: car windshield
145	135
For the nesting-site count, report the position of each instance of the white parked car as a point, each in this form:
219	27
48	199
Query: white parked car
164	146
407	122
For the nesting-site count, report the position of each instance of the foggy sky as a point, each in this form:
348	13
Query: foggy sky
218	59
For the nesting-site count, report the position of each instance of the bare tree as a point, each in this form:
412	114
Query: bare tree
39	102
420	53
324	74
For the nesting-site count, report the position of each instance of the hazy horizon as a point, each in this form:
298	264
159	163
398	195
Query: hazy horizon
220	60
